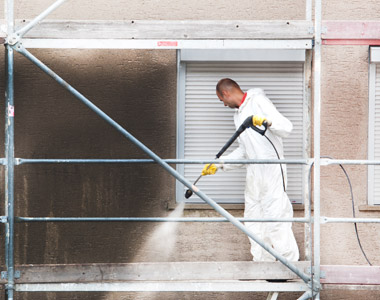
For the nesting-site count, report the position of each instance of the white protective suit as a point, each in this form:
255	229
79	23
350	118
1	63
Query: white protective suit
264	192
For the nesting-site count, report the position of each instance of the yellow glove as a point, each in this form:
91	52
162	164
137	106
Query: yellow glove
258	121
209	170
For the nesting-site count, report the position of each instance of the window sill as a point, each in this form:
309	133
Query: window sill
201	206
369	207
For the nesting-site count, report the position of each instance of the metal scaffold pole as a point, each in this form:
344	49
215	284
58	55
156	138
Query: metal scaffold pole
9	156
317	141
309	10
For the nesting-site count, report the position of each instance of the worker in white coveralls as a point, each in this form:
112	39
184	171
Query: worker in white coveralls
265	195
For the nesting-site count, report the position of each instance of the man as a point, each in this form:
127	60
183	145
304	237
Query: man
265	195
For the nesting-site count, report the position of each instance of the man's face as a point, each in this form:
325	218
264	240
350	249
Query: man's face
226	98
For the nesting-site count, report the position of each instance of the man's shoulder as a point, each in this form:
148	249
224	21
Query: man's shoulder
255	91
257	97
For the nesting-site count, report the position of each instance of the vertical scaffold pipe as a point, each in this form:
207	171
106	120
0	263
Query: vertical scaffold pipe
9	173
317	141
9	154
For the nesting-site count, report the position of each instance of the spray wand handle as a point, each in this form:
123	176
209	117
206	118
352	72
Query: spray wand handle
246	124
189	192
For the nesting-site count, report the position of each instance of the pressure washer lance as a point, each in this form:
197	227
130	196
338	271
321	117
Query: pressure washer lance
248	123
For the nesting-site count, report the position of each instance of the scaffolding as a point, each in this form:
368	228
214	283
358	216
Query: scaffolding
187	276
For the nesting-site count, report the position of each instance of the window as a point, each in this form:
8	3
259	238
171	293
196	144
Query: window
374	127
204	124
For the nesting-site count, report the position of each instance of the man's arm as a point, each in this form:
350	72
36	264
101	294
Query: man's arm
238	153
281	126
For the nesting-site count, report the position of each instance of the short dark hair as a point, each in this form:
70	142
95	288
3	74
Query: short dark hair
226	84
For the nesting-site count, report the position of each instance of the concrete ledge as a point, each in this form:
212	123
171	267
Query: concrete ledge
369	207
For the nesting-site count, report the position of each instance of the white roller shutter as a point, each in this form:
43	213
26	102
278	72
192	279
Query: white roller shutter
374	135
208	124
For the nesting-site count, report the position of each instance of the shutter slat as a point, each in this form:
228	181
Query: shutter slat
376	173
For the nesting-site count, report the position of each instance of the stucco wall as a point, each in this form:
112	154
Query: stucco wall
167	9
344	136
138	90
352	10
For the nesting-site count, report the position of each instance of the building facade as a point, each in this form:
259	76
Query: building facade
142	91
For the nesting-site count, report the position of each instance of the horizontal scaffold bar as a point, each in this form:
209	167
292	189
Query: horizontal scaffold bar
326	162
349	220
149	219
20	161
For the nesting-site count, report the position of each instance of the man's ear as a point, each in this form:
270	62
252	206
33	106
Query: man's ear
225	93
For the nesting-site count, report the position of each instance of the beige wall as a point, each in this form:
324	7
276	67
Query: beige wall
166	9
138	90
344	136
350	10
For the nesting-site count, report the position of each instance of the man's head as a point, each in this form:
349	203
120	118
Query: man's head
229	92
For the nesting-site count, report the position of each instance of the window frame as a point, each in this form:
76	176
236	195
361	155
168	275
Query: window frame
374	61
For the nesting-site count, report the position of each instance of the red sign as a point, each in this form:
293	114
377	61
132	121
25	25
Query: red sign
167	44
